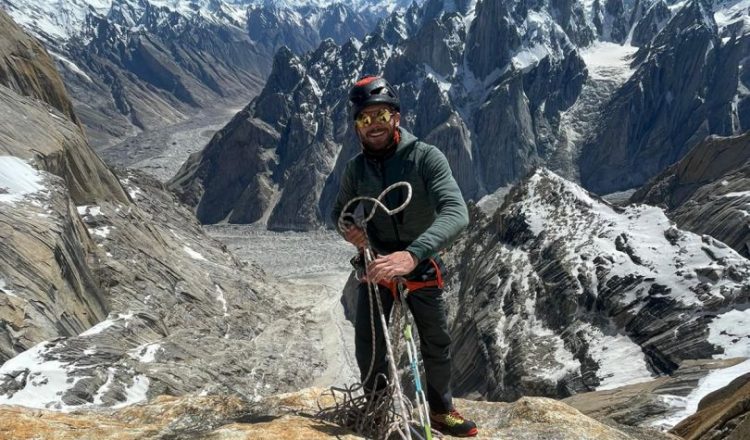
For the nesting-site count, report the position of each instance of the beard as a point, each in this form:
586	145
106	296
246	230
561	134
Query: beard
378	147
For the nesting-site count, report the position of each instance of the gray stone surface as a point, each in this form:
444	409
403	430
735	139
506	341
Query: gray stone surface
707	191
119	296
555	274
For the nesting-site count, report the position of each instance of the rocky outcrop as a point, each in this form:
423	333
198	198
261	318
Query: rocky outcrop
557	289
707	191
288	416
218	179
26	68
648	403
724	414
61	149
111	297
49	288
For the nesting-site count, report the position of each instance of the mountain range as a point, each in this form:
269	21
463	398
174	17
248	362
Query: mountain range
113	295
604	94
135	65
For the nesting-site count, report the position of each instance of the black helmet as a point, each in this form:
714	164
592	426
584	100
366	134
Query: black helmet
371	90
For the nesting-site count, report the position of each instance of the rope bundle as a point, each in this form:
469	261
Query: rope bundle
382	413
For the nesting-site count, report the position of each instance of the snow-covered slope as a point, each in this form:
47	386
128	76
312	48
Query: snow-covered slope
60	20
57	21
561	292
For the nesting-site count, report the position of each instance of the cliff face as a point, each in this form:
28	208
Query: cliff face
106	282
46	250
557	289
26	68
707	191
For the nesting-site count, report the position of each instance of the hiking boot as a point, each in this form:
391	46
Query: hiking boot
454	424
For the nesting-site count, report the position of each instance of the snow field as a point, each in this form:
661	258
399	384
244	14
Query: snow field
18	179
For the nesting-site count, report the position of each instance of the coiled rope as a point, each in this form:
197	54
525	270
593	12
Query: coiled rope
383	412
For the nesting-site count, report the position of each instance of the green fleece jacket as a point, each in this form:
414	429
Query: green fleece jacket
437	212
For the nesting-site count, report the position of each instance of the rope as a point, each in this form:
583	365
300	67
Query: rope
378	413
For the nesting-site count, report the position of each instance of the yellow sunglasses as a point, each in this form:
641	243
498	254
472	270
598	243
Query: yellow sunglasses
364	120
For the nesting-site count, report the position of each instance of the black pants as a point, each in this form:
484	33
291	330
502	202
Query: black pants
428	308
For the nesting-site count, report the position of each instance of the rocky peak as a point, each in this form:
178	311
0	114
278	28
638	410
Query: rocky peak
400	25
571	16
570	290
492	31
273	104
437	44
651	24
695	15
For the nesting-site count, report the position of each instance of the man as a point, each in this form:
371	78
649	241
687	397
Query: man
406	243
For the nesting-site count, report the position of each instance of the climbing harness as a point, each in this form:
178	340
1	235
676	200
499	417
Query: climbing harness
380	413
411	286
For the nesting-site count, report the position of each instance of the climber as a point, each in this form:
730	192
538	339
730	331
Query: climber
407	243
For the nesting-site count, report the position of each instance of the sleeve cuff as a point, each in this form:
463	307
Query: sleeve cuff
417	252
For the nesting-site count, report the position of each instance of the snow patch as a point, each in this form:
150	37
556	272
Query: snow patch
688	405
733	12
220	297
443	84
730	331
101	231
194	255
612	353
530	57
145	353
6	290
737	194
132	190
72	66
91	210
606	60
45	381
18	179
107	323
560	362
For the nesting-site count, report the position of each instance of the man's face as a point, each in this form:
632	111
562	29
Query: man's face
379	133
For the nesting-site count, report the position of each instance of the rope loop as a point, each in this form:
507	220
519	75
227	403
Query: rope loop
380	413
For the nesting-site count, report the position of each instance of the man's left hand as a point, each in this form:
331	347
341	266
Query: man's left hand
390	266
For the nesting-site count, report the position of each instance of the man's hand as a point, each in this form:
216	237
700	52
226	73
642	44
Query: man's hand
356	236
390	266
